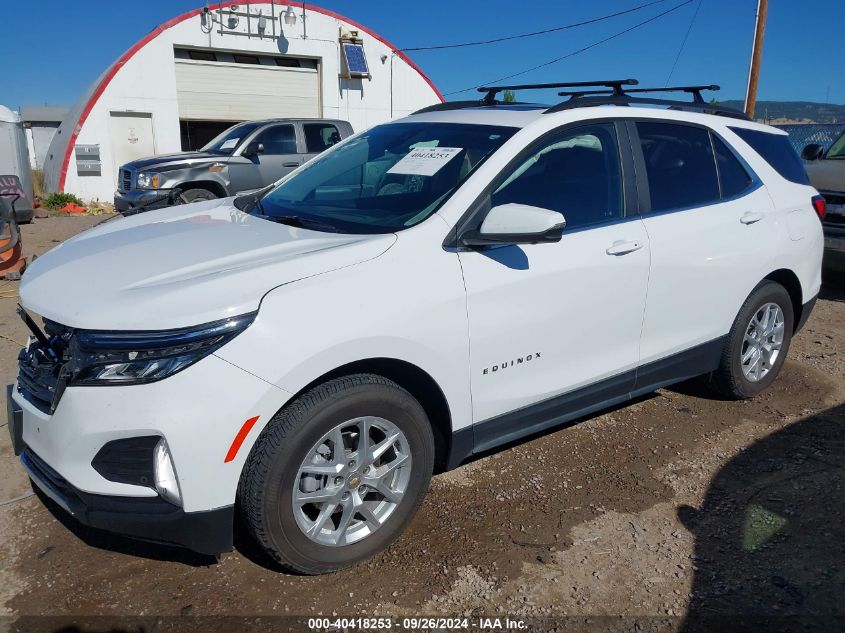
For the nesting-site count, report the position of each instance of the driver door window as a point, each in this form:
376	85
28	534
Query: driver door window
276	157
576	173
277	139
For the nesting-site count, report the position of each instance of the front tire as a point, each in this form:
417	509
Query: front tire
337	474
196	195
757	344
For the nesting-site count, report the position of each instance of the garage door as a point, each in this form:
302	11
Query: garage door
238	92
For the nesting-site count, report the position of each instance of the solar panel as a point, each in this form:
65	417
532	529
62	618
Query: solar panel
356	61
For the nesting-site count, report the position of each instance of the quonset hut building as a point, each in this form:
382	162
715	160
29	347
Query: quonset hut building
199	73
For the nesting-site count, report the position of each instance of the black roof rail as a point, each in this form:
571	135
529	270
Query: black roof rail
575	94
589	98
598	93
695	91
614	84
489	99
625	100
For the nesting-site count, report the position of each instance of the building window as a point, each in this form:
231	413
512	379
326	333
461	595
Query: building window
287	62
202	56
246	59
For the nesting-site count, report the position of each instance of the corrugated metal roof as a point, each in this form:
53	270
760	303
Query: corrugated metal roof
8	116
45	113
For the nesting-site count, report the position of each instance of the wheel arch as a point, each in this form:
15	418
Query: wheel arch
209	185
789	280
415	381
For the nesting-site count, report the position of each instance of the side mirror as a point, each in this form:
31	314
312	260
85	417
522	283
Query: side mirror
253	149
813	151
517	224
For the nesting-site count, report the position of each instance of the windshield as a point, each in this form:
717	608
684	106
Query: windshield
837	150
228	141
387	179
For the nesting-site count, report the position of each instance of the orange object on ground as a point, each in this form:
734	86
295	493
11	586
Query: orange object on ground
71	208
12	263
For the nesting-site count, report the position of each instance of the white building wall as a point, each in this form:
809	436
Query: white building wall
147	83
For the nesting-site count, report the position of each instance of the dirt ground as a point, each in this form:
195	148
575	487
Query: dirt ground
678	507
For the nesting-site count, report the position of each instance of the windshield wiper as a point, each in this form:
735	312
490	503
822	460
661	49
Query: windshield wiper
304	223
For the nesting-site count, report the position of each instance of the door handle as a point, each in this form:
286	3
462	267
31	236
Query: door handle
290	164
621	247
750	217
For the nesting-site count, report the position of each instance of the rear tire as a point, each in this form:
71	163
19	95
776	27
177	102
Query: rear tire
197	195
758	342
301	440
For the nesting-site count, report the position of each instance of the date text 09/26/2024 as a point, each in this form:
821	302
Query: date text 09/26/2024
416	624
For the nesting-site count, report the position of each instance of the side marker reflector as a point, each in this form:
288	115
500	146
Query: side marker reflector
239	439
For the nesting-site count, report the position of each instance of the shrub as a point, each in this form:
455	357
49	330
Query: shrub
58	200
38	183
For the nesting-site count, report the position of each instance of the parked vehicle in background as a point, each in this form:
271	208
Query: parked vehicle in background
247	156
304	357
14	159
827	174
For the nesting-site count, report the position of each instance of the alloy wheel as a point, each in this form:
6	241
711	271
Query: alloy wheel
762	342
351	481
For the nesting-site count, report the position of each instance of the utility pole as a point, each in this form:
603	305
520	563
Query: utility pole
756	54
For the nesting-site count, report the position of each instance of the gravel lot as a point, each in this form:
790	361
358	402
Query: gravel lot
677	505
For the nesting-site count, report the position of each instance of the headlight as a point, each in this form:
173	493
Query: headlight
149	180
129	358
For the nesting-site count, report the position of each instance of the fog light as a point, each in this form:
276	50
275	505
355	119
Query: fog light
166	483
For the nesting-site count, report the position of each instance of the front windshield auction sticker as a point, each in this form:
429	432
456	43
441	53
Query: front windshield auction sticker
425	161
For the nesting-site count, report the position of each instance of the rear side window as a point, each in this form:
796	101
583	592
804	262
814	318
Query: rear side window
733	178
680	165
320	136
777	150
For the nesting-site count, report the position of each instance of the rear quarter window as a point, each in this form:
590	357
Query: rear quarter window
777	150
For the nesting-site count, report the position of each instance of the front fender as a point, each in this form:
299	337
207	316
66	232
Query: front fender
411	309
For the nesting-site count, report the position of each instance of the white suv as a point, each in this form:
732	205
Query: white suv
307	356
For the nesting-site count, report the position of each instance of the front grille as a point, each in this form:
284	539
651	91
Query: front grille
125	179
37	381
40	377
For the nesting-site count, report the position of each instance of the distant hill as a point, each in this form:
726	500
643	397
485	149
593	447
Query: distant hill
795	111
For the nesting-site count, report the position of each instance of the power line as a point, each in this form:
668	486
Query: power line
533	33
683	42
573	53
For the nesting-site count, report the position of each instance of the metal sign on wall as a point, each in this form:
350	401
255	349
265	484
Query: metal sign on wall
88	160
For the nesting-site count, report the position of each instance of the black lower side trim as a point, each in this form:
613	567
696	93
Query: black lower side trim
559	410
698	360
146	518
806	311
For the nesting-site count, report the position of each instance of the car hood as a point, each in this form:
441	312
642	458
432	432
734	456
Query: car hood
172	161
181	266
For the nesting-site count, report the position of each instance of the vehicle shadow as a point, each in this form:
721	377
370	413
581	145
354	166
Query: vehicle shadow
109	541
770	535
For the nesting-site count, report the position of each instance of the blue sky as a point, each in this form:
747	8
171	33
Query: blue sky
58	47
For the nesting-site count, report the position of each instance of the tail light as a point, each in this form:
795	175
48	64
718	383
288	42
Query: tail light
820	206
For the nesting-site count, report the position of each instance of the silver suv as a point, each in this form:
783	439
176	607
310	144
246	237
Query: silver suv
246	156
827	174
